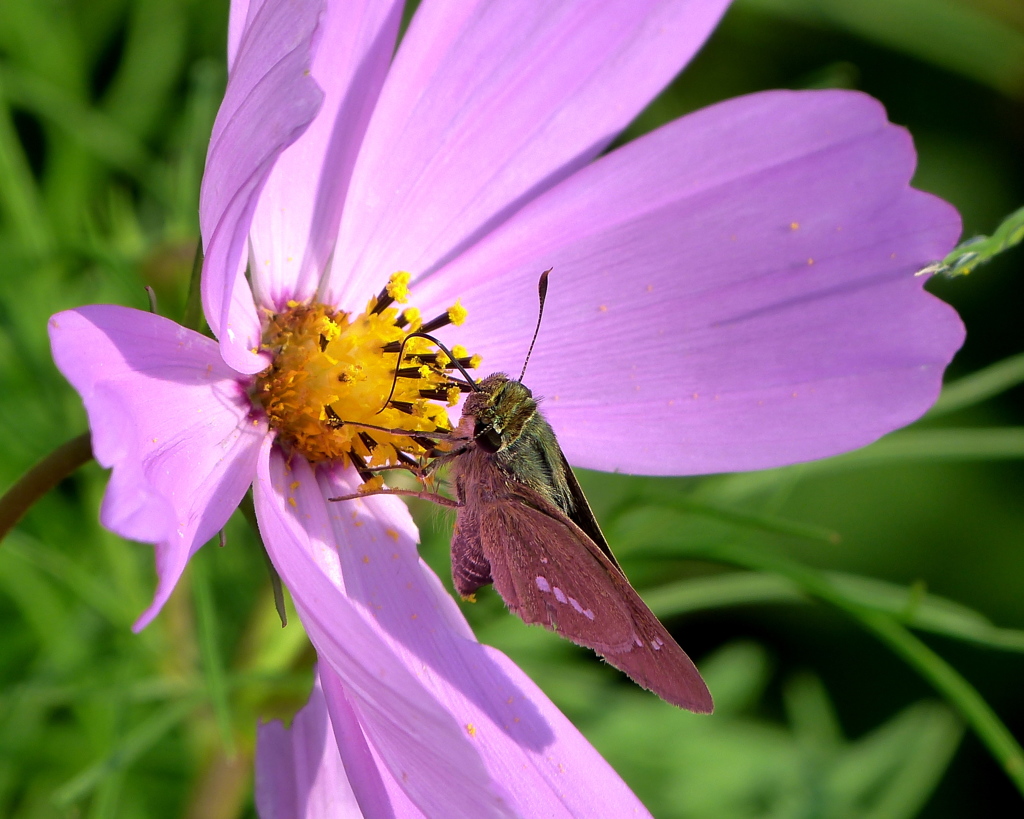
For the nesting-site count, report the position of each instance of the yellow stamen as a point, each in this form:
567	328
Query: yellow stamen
457	313
330	374
398	286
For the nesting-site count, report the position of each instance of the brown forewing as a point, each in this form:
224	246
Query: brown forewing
550	572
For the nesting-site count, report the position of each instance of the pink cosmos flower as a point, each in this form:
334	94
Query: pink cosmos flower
733	291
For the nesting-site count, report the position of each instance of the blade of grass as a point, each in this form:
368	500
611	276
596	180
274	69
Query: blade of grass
946	33
910	606
913	607
949	445
721	591
151	64
960	694
749	520
979	386
97	132
194	318
92	589
19	194
961	444
108	792
209	649
136	742
899	763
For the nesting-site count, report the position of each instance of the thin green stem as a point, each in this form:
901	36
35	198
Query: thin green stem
978	386
940	674
945	444
41	478
957	691
193	318
249	513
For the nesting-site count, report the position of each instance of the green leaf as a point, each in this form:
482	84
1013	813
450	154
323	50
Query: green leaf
891	772
956	36
979	250
135	743
88	127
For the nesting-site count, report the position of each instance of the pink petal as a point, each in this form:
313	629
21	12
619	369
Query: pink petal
376	790
734	291
487	105
269	101
237	19
547	768
170	418
299	773
419	741
296	221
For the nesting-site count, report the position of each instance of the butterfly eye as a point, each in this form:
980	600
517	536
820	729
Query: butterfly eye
487	437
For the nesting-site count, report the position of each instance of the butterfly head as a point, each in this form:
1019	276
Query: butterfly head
500	410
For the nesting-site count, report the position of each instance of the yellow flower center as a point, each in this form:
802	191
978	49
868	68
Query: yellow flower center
331	372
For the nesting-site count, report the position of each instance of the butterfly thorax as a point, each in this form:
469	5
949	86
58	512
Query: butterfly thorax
510	433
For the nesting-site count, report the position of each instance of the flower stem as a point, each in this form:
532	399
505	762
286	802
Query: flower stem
41	478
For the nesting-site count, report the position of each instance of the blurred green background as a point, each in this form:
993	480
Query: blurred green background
793	589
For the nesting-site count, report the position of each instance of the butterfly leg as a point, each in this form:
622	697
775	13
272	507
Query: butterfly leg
433	497
417	470
440	457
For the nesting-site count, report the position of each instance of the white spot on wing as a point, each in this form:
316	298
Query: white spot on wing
560	595
585	612
542	584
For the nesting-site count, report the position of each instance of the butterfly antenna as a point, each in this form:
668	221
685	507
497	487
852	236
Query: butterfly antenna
542	290
401	354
